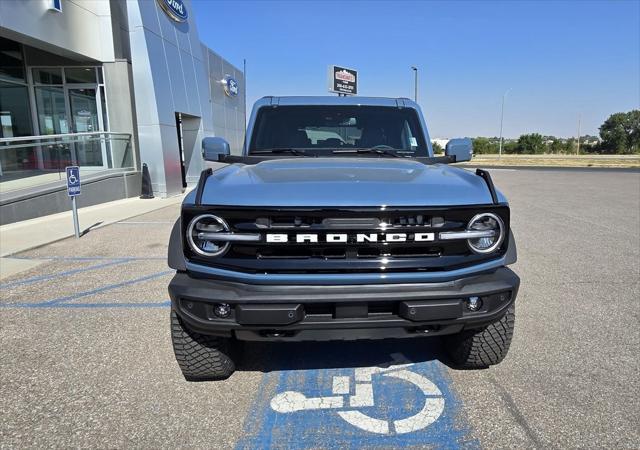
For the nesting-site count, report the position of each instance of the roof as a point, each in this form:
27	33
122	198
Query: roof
336	100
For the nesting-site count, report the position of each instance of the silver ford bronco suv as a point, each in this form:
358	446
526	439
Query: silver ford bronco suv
337	222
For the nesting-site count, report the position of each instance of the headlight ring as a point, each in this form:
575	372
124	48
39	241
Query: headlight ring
485	222
207	223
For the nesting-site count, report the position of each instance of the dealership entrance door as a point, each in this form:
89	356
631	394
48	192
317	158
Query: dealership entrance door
86	117
71	100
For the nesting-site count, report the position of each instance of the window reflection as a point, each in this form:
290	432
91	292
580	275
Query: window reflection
11	61
15	120
47	75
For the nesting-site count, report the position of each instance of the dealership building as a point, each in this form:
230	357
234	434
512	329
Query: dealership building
109	86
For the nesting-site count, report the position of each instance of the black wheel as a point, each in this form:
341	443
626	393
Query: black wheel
479	349
199	356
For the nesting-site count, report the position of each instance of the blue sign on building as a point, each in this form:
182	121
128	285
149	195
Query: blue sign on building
73	181
175	9
55	5
230	86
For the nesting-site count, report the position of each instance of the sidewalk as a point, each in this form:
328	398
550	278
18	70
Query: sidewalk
21	236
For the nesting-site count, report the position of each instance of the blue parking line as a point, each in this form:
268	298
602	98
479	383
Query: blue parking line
162	304
105	288
395	400
90	258
63	274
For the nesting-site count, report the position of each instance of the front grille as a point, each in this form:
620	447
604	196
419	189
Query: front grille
352	255
340	223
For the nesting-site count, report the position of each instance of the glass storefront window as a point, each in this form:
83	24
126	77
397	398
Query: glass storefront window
54	100
84	112
52	119
11	61
52	115
47	76
80	74
15	120
15	115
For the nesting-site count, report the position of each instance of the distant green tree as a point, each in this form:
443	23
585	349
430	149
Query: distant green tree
530	144
510	147
557	146
570	146
620	133
437	148
482	146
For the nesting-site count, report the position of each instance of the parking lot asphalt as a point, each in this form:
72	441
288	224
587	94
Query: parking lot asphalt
87	358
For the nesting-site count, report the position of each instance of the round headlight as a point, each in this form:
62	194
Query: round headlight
199	235
492	226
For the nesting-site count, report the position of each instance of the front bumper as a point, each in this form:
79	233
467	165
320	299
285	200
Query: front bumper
341	312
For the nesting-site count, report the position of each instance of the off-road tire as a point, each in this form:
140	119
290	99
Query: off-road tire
479	349
199	356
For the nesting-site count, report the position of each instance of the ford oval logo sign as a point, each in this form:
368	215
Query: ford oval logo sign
175	9
230	86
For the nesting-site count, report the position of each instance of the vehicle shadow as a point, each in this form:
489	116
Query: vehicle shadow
282	356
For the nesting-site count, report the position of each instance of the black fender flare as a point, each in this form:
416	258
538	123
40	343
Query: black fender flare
175	257
512	253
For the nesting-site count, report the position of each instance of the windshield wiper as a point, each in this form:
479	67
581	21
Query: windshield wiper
379	151
293	151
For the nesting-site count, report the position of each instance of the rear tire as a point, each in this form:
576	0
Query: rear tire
479	349
200	357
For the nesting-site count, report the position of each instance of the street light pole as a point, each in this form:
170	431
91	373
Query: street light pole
579	120
415	83
504	96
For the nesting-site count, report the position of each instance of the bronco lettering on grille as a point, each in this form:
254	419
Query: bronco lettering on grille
311	238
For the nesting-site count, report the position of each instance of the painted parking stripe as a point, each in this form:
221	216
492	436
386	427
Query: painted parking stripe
62	274
411	405
92	258
106	305
105	288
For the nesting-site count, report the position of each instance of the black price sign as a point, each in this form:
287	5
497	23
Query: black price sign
343	80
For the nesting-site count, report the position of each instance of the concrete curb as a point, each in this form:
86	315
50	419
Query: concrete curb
29	234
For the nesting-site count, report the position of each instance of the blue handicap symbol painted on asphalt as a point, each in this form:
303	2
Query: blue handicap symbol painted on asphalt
396	401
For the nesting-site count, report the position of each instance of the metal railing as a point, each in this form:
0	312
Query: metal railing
29	161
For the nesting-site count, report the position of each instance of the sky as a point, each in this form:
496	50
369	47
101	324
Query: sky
563	61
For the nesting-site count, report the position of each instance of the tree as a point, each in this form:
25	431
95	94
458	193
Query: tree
482	145
437	148
530	144
510	147
557	146
620	133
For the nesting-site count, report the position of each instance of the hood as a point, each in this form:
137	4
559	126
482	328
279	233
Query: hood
344	182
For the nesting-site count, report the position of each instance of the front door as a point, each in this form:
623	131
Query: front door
53	118
86	117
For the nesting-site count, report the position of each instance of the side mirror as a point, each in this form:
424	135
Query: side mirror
461	149
213	147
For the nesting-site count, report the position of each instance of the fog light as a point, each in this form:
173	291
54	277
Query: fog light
474	304
222	310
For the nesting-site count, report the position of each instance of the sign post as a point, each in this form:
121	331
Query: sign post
343	81
73	190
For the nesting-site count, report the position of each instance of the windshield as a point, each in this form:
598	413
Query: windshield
329	130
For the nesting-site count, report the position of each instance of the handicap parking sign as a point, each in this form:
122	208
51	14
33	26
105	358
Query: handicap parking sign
73	181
